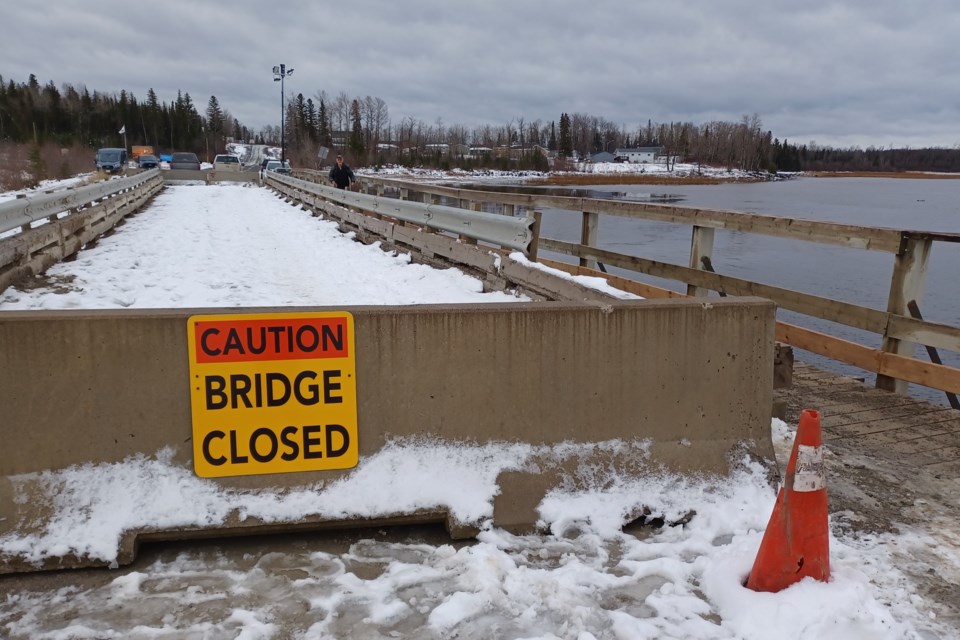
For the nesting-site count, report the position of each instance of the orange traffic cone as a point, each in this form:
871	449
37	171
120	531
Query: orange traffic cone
796	543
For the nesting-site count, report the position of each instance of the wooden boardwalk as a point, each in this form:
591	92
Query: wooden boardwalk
893	466
883	424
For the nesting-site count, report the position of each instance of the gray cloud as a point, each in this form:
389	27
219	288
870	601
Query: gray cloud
870	72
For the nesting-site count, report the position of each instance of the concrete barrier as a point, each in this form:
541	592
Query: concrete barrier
692	379
208	176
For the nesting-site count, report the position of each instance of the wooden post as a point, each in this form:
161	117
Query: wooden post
907	283
509	210
701	246
588	236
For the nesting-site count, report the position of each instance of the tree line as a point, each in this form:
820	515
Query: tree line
72	115
362	128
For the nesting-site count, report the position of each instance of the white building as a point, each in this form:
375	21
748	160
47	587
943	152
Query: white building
639	155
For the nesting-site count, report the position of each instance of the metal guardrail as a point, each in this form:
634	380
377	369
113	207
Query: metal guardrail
27	250
23	211
821	232
900	332
505	231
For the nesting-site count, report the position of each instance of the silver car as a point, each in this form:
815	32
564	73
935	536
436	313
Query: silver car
226	162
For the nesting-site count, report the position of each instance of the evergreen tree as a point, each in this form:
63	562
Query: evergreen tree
291	131
323	126
356	132
300	122
311	123
214	115
151	115
87	109
565	150
189	123
215	123
123	108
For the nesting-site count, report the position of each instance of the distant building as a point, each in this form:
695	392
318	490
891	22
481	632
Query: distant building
547	153
340	139
639	155
476	152
603	156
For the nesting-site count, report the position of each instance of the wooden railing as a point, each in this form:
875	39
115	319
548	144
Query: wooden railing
893	362
41	230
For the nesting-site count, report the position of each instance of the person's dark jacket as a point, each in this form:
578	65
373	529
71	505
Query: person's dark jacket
342	175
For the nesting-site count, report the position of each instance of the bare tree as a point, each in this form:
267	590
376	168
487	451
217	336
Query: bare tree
381	117
534	134
458	134
340	112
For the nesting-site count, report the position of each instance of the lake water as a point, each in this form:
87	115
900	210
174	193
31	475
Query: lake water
852	275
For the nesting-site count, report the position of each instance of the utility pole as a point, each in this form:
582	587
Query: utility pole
279	73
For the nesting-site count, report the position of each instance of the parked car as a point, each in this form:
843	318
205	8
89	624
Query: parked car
279	167
226	162
111	160
185	160
141	150
148	162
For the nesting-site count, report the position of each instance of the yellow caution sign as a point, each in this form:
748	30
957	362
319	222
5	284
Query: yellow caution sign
272	393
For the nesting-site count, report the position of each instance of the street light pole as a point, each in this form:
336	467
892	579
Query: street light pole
279	73
206	141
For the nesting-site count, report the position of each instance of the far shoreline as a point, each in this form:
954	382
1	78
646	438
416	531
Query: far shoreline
910	175
567	179
607	174
573	179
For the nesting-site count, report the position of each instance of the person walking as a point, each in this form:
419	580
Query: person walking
341	174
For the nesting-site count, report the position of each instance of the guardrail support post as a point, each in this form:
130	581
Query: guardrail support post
588	236
701	246
535	232
908	282
473	206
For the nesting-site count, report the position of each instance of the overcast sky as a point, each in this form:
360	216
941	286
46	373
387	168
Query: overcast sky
860	72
